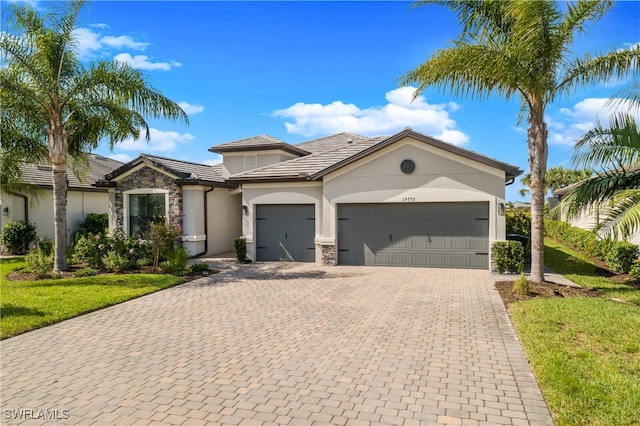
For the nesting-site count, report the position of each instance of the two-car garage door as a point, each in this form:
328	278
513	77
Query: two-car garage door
414	234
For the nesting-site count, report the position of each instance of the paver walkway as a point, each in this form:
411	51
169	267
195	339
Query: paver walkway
283	343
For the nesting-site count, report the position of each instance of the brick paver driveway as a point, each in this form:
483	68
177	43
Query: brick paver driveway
283	343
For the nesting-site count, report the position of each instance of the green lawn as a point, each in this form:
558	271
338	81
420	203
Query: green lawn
27	305
585	352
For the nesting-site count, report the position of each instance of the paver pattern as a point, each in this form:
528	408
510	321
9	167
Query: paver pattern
283	343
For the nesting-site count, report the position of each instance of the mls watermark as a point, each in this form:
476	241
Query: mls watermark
35	414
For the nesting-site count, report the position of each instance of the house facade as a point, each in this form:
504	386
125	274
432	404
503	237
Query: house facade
82	196
403	200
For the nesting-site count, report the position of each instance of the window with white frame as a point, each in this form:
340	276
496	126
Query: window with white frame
145	209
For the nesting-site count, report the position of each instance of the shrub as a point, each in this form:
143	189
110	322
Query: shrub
508	256
85	272
177	262
90	249
580	238
17	236
164	239
518	222
115	262
240	249
521	286
635	270
622	256
39	263
555	229
96	223
45	244
601	248
199	267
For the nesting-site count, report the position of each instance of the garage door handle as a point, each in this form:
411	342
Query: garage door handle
343	249
390	237
484	254
262	247
286	236
429	238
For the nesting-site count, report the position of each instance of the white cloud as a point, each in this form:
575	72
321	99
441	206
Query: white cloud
217	159
190	109
101	26
401	111
120	157
160	141
142	62
583	117
123	42
88	42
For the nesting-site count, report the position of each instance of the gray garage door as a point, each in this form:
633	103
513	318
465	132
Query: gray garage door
446	235
285	232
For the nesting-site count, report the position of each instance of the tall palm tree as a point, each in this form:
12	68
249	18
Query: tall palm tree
614	152
52	103
522	48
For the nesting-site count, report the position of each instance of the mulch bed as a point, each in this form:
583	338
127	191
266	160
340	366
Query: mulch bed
544	290
27	276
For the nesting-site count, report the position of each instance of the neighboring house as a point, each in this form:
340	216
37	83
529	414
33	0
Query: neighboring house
403	200
589	218
82	196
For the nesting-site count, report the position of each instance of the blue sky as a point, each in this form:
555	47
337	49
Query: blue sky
302	70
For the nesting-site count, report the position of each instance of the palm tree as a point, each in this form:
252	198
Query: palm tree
53	104
522	48
615	190
556	178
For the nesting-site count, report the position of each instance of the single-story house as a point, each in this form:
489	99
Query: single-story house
402	200
82	197
589	218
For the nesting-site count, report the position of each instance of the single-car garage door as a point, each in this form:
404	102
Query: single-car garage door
446	235
285	232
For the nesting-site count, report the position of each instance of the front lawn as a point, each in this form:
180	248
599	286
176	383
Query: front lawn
27	305
585	352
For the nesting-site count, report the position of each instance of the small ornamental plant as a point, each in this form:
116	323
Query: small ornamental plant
521	286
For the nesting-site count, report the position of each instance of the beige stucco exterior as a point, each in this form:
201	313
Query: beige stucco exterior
439	176
241	161
40	210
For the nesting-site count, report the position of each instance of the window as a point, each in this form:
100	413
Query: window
143	210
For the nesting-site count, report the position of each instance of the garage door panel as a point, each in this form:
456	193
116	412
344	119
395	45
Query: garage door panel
285	232
460	243
414	234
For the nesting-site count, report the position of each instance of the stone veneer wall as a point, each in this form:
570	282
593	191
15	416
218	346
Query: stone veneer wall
329	255
149	178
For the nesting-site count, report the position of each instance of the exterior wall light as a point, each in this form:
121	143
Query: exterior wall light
501	209
245	210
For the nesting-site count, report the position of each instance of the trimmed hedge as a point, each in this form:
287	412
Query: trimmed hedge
619	255
508	256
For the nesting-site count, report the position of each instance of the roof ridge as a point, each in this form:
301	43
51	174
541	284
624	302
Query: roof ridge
175	159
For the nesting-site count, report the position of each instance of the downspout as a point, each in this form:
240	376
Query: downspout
206	221
509	182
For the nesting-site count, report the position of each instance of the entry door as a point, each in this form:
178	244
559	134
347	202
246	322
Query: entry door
285	232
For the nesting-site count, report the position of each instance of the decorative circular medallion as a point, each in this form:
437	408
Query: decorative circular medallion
407	166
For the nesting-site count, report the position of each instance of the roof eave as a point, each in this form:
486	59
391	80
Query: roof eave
289	149
264	179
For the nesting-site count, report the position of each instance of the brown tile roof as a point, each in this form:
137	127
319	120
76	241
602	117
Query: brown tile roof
186	171
315	166
99	166
335	141
257	143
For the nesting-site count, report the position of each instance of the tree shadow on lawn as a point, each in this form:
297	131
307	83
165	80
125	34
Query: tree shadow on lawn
9	310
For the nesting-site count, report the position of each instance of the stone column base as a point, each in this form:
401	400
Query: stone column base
329	255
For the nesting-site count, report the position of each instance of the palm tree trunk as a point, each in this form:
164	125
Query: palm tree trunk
537	140
58	152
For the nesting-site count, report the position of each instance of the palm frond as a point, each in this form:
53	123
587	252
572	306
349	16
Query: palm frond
622	218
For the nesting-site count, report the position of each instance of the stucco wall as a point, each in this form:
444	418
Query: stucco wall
439	176
224	218
79	203
234	162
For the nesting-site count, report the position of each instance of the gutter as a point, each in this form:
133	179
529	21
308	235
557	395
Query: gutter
510	181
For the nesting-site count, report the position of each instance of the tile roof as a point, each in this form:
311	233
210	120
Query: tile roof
316	165
335	141
257	143
304	168
40	174
186	171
